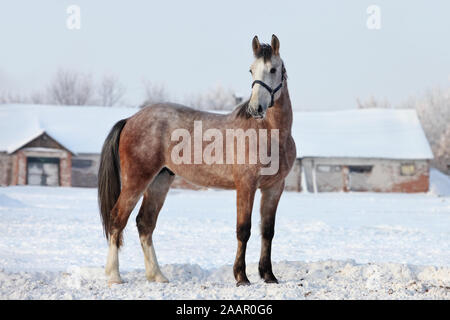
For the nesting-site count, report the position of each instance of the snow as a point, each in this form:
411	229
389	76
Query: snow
315	280
326	246
371	133
367	133
439	183
79	129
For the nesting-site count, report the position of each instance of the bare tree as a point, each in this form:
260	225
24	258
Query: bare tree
372	102
37	97
434	113
110	91
217	98
15	97
443	151
71	88
154	93
12	97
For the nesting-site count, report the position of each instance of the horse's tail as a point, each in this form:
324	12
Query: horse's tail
109	175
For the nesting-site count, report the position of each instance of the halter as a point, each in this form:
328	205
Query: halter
271	91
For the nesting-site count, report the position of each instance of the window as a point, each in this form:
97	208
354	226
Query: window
328	168
323	168
360	169
81	163
407	169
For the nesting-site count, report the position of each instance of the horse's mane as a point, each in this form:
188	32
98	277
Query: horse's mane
241	110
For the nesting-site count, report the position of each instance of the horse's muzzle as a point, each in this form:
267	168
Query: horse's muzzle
258	113
259	116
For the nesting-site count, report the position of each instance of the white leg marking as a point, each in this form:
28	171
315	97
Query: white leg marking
112	264
152	271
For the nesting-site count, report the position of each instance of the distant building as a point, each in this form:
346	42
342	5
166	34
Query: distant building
54	145
358	150
40	161
377	150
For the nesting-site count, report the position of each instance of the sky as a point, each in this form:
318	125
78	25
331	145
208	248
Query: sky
331	56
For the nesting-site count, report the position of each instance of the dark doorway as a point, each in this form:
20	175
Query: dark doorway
42	171
358	177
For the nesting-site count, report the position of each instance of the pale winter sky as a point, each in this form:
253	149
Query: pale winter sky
330	54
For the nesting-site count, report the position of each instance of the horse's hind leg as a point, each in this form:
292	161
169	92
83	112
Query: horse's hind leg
120	213
153	201
269	203
131	191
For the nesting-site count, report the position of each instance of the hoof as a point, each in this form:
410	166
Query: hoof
157	278
267	276
114	281
243	283
271	280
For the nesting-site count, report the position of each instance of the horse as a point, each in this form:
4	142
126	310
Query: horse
140	158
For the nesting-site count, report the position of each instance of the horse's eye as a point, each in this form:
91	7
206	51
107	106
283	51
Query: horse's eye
250	71
273	70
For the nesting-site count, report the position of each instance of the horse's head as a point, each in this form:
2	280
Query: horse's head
268	75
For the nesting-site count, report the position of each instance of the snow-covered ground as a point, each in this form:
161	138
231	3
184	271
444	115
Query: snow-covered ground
440	183
332	245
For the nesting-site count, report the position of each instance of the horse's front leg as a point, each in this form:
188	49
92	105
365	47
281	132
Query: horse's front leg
269	203
245	197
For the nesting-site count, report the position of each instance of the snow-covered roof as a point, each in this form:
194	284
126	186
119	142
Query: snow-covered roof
367	133
370	133
79	129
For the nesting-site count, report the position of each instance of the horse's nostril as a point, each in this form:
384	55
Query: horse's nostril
260	109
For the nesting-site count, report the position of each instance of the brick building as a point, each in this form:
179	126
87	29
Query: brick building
52	145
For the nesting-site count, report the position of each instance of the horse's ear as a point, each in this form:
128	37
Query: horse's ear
256	45
275	45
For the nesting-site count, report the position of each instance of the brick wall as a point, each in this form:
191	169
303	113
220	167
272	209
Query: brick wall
65	170
19	159
5	169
